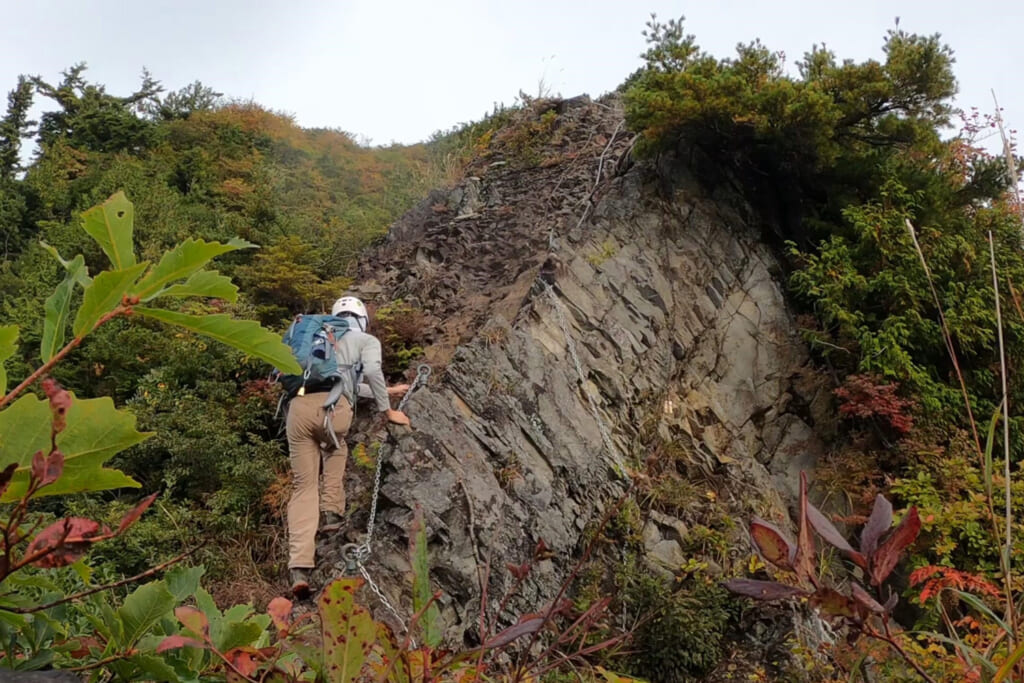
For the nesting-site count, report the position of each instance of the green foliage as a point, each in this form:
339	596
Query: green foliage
282	281
422	597
95	431
13	127
243	334
452	150
400	328
184	261
853	152
683	637
523	139
92	119
58	306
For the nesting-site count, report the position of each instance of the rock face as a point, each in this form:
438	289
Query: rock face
574	306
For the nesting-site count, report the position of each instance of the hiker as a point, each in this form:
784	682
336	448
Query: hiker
314	427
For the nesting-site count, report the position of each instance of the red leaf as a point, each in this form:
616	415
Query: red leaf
774	546
38	469
878	523
241	659
175	642
54	467
60	403
47	469
888	554
84	646
834	603
864	598
525	626
805	560
193	620
518	571
827	530
5	477
135	513
763	590
64	542
280	611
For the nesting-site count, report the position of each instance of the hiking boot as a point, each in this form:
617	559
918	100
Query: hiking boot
300	582
332	522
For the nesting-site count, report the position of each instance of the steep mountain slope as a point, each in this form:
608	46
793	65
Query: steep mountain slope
582	310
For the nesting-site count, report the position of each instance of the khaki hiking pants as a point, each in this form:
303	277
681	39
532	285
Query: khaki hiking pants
307	439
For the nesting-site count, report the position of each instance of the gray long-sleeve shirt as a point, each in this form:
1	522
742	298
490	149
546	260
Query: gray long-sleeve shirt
356	347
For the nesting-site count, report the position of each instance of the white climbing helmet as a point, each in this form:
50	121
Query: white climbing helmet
354	307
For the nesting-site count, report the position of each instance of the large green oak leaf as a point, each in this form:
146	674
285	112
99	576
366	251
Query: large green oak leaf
104	295
95	431
245	335
203	283
181	262
111	224
58	307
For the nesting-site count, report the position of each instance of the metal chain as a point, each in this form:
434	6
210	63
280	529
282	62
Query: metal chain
356	555
383	599
422	374
570	344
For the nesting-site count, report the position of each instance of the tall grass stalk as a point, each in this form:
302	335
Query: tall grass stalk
1006	416
948	338
1011	163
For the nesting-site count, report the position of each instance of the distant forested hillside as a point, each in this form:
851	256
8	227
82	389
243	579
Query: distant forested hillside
195	165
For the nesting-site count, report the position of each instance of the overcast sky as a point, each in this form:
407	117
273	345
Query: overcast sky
400	70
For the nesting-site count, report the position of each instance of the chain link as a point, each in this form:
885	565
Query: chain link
570	344
361	553
384	600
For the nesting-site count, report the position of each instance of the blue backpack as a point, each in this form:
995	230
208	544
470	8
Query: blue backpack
311	339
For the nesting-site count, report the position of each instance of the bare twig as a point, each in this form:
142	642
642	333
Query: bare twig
600	161
102	662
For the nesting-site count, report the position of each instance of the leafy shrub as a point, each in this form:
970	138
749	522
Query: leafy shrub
681	638
402	333
865	397
849	153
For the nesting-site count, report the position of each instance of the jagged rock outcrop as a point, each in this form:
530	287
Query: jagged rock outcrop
659	288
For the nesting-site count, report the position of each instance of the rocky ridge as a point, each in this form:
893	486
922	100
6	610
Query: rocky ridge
579	306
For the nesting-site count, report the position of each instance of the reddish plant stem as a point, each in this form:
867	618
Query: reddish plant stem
521	667
48	365
887	637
